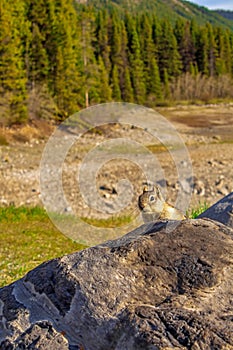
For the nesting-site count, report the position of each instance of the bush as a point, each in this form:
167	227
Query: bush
200	87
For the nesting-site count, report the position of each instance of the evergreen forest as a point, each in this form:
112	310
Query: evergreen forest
59	56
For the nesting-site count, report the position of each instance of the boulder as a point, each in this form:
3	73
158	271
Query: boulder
221	211
40	335
151	289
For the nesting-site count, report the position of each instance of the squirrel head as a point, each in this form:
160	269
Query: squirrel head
149	197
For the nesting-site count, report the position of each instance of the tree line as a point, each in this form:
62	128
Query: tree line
57	57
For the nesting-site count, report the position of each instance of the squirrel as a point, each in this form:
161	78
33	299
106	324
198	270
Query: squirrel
153	206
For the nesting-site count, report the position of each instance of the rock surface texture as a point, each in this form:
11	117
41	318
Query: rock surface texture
151	289
222	211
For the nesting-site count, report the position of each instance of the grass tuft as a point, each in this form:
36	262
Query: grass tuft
195	212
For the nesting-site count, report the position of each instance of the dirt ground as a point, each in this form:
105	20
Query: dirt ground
206	130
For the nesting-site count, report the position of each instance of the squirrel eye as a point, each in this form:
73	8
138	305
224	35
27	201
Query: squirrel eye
151	198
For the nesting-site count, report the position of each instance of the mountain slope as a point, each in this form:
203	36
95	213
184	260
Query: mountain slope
226	14
171	9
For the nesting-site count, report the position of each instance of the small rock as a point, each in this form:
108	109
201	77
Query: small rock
6	159
68	210
3	201
217	137
212	162
223	191
220	181
108	188
199	188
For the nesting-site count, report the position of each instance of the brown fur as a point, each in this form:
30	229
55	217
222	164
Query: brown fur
151	202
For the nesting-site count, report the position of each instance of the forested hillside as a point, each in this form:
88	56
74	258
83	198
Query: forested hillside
169	9
58	57
225	14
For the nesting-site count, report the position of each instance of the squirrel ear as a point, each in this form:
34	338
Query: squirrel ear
145	189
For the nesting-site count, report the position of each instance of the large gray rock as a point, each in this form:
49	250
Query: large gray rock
221	211
151	289
40	335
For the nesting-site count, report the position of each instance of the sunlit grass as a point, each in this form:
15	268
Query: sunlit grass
28	238
195	212
109	223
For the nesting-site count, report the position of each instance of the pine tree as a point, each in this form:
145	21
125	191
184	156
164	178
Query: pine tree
123	62
223	60
127	87
136	65
119	50
116	92
228	53
155	86
231	50
148	54
185	44
168	55
202	51
35	54
105	91
156	34
220	64
66	75
38	66
167	92
115	40
179	31
211	50
193	70
12	71
88	59
146	40
53	52
102	42
194	36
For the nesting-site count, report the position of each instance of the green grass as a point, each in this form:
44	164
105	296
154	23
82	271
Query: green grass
109	223
198	210
28	238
